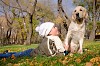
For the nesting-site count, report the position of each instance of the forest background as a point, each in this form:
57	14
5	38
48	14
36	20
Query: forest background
18	18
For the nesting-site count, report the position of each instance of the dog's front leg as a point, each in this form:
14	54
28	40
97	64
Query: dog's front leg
80	46
67	41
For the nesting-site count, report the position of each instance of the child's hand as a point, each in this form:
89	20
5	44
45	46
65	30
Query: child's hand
66	52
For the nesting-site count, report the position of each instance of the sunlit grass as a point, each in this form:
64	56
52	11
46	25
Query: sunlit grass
91	56
17	48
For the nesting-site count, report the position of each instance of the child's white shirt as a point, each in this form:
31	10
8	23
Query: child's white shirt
58	43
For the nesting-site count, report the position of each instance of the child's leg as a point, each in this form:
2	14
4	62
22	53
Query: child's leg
24	53
7	55
16	54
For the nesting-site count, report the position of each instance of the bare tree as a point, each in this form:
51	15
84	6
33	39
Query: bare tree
64	24
6	39
29	9
29	36
62	12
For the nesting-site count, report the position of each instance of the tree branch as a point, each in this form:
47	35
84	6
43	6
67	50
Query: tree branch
13	6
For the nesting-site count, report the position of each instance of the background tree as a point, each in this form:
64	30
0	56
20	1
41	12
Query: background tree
29	10
24	19
62	20
92	35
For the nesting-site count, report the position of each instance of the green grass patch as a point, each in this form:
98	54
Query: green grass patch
17	48
91	55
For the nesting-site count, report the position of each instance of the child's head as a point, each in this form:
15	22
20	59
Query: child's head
47	28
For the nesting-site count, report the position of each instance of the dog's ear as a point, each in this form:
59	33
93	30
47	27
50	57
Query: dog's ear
73	16
85	14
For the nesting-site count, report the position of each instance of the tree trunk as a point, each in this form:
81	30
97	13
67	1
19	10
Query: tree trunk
92	35
29	34
63	15
8	35
62	12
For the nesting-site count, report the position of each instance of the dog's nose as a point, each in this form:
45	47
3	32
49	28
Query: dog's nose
77	14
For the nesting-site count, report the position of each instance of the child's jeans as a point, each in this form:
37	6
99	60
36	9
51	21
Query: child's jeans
16	54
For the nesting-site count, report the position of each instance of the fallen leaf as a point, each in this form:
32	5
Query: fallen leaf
16	65
9	64
89	64
98	64
4	59
78	60
13	57
71	65
96	59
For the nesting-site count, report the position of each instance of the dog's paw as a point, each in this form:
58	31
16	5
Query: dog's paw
80	51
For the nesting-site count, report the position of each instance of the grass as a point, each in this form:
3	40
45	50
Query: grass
17	48
91	56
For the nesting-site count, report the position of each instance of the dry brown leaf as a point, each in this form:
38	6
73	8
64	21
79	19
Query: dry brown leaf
71	65
64	62
16	65
9	64
98	64
13	57
96	59
4	59
31	64
89	64
78	60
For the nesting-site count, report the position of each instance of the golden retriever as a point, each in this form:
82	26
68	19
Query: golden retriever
76	30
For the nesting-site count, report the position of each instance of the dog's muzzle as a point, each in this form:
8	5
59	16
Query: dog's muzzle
77	16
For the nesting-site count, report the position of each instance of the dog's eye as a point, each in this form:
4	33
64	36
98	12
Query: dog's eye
80	9
75	11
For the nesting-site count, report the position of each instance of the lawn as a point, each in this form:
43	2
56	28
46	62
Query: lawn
90	57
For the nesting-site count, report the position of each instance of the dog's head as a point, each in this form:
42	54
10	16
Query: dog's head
79	14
